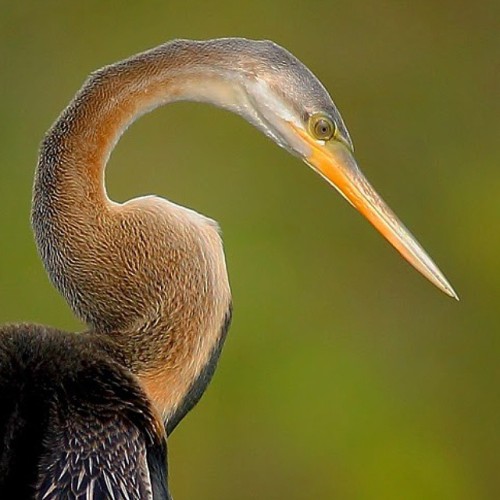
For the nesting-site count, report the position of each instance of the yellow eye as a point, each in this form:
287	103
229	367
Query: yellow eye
321	127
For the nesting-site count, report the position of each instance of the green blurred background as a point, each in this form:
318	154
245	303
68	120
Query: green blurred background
346	375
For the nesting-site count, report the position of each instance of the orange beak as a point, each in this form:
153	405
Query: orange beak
335	163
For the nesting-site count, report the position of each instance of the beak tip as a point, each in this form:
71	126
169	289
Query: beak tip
454	294
448	290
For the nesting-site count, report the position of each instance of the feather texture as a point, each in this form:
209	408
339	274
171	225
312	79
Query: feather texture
74	424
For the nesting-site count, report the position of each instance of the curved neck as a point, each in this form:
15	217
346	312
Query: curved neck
76	149
147	274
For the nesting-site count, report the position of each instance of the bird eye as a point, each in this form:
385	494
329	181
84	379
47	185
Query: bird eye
322	127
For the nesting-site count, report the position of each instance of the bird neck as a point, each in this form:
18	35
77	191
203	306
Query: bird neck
148	274
76	149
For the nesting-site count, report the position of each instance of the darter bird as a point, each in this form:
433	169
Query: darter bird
87	415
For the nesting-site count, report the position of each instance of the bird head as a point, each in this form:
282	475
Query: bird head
285	100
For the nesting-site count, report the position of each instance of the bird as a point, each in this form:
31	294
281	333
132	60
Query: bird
87	415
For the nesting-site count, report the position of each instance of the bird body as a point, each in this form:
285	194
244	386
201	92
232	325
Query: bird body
148	277
74	423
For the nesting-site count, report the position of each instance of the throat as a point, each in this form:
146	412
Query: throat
175	388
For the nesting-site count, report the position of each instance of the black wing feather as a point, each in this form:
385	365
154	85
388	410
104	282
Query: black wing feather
94	457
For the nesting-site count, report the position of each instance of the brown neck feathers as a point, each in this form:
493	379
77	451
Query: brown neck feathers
148	275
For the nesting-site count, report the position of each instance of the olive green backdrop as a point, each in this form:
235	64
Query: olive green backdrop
346	375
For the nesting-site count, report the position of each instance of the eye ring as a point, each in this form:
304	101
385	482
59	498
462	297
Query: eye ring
322	127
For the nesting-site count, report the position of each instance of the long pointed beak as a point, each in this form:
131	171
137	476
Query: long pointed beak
334	162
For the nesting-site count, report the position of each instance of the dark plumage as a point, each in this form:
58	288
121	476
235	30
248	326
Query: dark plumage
73	422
